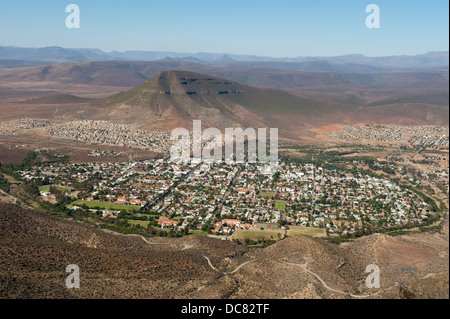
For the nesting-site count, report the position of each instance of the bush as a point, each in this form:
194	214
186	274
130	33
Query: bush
4	184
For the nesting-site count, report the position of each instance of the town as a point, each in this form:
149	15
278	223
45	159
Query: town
106	133
424	135
236	200
228	201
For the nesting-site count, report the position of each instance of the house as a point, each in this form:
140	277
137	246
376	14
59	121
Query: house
110	213
166	222
242	191
218	226
121	201
231	222
137	202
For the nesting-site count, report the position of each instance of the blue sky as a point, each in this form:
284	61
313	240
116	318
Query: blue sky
283	28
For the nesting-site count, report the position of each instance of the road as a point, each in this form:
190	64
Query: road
325	284
169	190
227	273
228	192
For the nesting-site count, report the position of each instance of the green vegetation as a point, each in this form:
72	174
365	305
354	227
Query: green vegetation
279	205
307	231
430	201
254	234
337	240
31	188
258	243
142	223
424	229
4	184
328	159
427	226
90	212
106	205
29	161
60	188
268	195
121	225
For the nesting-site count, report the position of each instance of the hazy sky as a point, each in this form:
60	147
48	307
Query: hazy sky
282	28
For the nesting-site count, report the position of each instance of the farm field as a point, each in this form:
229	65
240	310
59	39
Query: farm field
308	231
198	232
141	223
60	188
255	234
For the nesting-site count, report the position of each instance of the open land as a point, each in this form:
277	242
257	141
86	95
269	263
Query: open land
105	195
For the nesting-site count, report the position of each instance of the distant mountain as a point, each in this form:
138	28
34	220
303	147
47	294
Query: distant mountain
225	60
427	60
174	99
53	54
14	63
132	74
307	66
435	98
184	59
344	63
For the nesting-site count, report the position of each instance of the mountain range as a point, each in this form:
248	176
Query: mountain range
134	73
295	96
13	56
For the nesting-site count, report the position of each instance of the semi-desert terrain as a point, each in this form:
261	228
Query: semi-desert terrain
373	122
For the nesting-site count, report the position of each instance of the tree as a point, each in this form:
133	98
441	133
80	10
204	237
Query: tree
31	188
4	184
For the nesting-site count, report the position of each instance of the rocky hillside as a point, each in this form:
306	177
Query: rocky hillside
36	248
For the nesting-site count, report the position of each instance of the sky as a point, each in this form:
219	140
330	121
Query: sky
283	28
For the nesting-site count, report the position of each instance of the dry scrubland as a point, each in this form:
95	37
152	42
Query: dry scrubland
35	248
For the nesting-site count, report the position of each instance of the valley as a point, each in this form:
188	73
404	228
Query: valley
86	178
